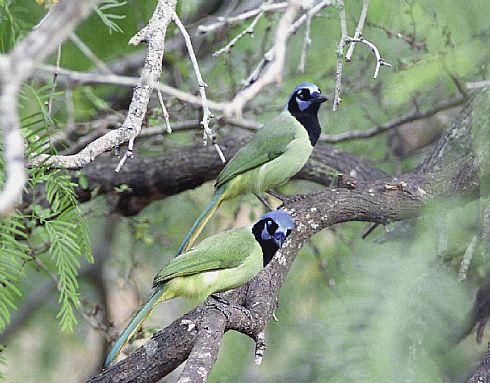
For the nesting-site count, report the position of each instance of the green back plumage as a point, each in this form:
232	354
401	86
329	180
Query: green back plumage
225	250
275	154
268	143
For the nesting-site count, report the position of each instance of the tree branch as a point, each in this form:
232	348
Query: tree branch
409	117
375	202
149	179
293	28
340	56
273	72
15	67
358	33
154	34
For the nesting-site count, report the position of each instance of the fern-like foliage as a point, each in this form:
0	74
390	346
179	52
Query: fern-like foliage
13	252
108	18
51	230
2	361
68	237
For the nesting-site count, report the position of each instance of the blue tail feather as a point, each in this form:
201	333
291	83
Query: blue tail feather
134	325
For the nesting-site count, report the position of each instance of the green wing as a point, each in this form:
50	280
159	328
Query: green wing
268	143
221	251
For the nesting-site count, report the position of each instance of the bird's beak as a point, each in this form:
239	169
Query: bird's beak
319	99
279	238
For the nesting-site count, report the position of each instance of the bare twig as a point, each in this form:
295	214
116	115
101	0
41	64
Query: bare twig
360	26
55	76
340	56
407	38
249	30
220	152
273	71
417	115
166	116
222	21
269	55
206	116
306	44
357	39
68	77
16	67
126	155
379	61
154	33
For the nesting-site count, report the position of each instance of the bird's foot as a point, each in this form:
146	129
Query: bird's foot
217	298
277	195
264	201
230	306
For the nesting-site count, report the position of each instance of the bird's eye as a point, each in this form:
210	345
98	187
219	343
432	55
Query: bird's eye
271	227
304	94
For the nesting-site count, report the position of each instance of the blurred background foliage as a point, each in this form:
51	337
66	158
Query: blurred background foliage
350	309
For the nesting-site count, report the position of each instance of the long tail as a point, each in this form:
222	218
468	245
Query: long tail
135	324
202	220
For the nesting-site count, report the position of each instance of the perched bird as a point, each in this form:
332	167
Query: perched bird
219	263
275	154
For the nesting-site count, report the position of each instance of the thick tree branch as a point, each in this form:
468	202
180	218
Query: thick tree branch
154	178
376	202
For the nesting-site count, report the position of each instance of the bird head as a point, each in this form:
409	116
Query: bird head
305	98
275	226
304	103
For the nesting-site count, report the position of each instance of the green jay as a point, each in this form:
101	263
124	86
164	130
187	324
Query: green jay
275	154
219	263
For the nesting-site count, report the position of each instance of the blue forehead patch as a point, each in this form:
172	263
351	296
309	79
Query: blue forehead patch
280	217
308	85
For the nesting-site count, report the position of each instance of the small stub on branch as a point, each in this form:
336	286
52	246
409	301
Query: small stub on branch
260	347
